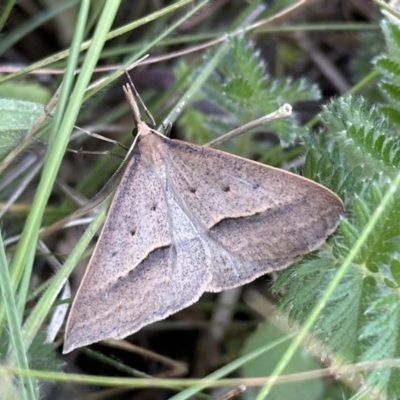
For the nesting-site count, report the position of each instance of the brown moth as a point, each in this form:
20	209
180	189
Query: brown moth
185	220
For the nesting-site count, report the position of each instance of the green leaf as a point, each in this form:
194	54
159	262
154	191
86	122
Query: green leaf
248	92
29	92
16	117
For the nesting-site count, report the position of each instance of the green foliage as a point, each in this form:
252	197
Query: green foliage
42	355
369	45
241	90
357	154
362	137
389	66
16	117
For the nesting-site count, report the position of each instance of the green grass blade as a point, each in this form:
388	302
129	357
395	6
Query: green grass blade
28	388
227	369
146	48
115	33
57	145
6	12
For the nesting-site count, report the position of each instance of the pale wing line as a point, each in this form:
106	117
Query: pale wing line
122	333
149	195
182	173
205	231
171	247
173	197
176	167
206	235
165	185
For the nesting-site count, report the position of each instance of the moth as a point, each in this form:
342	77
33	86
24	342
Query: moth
188	219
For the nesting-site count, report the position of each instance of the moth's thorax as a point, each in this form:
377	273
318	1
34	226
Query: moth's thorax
152	150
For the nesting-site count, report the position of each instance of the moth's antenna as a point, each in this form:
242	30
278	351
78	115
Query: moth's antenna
146	110
130	98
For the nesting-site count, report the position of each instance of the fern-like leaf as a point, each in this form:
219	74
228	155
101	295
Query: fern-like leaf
249	92
389	65
363	134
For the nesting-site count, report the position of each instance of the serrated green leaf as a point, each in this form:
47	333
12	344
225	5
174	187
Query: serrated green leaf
383	303
380	143
392	90
392	35
375	195
361	211
388	66
42	355
310	164
391	113
395	270
249	92
396	157
348	231
389	283
357	153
